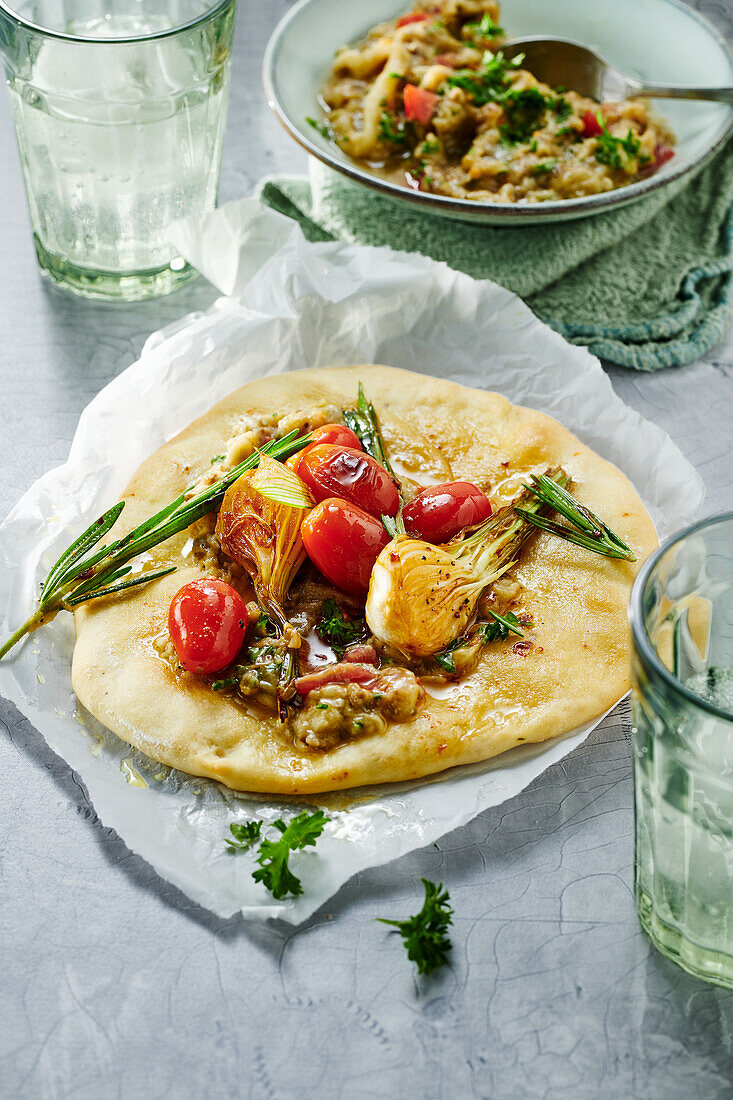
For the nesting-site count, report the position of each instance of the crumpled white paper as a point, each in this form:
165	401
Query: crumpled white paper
292	304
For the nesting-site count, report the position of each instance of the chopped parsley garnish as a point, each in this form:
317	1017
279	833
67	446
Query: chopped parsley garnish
487	28
265	623
322	127
426	934
490	81
533	145
337	630
545	166
614	151
217	458
224	685
322	706
523	111
562	107
445	658
426	148
388	131
244	835
501	627
273	871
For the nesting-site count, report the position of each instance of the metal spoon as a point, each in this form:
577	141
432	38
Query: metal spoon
560	61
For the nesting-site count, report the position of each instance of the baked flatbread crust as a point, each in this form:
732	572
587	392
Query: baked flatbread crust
576	670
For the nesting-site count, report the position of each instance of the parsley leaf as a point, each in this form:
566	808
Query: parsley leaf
545	166
337	630
523	110
273	871
489	82
388	131
562	107
223	685
425	935
610	149
445	657
264	622
217	458
501	627
244	835
322	127
487	28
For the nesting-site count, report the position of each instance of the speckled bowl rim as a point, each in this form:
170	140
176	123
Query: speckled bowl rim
469	209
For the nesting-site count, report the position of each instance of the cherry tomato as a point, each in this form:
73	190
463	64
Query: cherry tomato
419	104
662	153
412	17
333	471
441	511
591	125
344	542
336	433
207	623
328	433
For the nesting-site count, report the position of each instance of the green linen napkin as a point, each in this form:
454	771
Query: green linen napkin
646	286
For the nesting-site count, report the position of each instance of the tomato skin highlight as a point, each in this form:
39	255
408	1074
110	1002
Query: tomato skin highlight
328	433
333	471
207	622
591	125
440	511
419	104
412	17
343	542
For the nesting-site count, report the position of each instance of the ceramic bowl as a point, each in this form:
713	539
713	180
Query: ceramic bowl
658	40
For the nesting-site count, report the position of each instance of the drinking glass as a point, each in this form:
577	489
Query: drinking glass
682	697
119	109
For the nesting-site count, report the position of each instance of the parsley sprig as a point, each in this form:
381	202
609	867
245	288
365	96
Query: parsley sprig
614	151
390	130
486	28
244	835
273	871
490	81
500	627
339	631
425	935
446	659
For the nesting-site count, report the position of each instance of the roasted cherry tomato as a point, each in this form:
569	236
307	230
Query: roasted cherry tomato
332	471
344	542
662	153
419	104
441	511
207	623
591	125
328	433
336	433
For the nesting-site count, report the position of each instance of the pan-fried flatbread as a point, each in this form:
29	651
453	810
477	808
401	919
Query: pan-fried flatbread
575	670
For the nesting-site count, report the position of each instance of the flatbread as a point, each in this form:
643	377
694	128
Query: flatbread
576	669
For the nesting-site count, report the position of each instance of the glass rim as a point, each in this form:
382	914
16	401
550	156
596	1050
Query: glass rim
639	633
87	40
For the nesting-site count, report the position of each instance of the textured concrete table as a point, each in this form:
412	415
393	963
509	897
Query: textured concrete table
113	984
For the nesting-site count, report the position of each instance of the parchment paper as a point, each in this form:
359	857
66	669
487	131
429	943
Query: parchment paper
289	305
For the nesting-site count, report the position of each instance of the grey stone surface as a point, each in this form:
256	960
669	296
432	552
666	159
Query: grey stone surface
112	984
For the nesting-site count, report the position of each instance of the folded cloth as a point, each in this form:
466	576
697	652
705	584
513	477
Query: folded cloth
649	285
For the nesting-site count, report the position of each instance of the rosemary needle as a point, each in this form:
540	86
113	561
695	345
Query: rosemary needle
80	574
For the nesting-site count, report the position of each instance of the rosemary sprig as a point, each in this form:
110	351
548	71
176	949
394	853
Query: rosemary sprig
80	574
363	422
587	529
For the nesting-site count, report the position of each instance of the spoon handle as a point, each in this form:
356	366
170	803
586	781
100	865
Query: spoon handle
662	91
